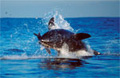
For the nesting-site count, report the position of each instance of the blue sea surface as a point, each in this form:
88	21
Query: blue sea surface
21	56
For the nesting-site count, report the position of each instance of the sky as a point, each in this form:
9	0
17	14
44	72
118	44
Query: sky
67	8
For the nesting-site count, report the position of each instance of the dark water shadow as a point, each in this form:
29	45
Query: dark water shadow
14	50
61	63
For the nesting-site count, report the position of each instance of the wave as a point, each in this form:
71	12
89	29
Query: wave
111	54
21	57
25	57
69	56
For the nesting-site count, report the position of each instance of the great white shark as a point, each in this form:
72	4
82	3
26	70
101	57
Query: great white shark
55	38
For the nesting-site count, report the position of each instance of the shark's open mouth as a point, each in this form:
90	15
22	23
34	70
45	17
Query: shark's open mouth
46	44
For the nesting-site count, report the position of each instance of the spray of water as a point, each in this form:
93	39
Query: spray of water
60	22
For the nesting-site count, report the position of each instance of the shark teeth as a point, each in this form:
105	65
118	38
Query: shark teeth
45	41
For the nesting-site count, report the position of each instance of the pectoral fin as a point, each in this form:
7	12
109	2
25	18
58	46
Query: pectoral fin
81	36
48	50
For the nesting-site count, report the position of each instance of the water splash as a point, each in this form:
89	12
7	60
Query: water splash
77	54
26	25
60	22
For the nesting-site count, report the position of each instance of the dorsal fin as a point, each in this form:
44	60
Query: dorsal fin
51	23
81	36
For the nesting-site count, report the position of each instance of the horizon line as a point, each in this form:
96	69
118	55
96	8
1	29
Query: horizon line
70	17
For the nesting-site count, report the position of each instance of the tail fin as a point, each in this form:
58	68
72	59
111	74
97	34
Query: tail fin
51	23
96	53
38	35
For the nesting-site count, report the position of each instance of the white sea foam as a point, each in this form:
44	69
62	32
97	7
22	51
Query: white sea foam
66	53
18	57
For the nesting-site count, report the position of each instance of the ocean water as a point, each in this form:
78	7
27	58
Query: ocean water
21	56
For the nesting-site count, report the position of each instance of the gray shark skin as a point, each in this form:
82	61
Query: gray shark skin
57	37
